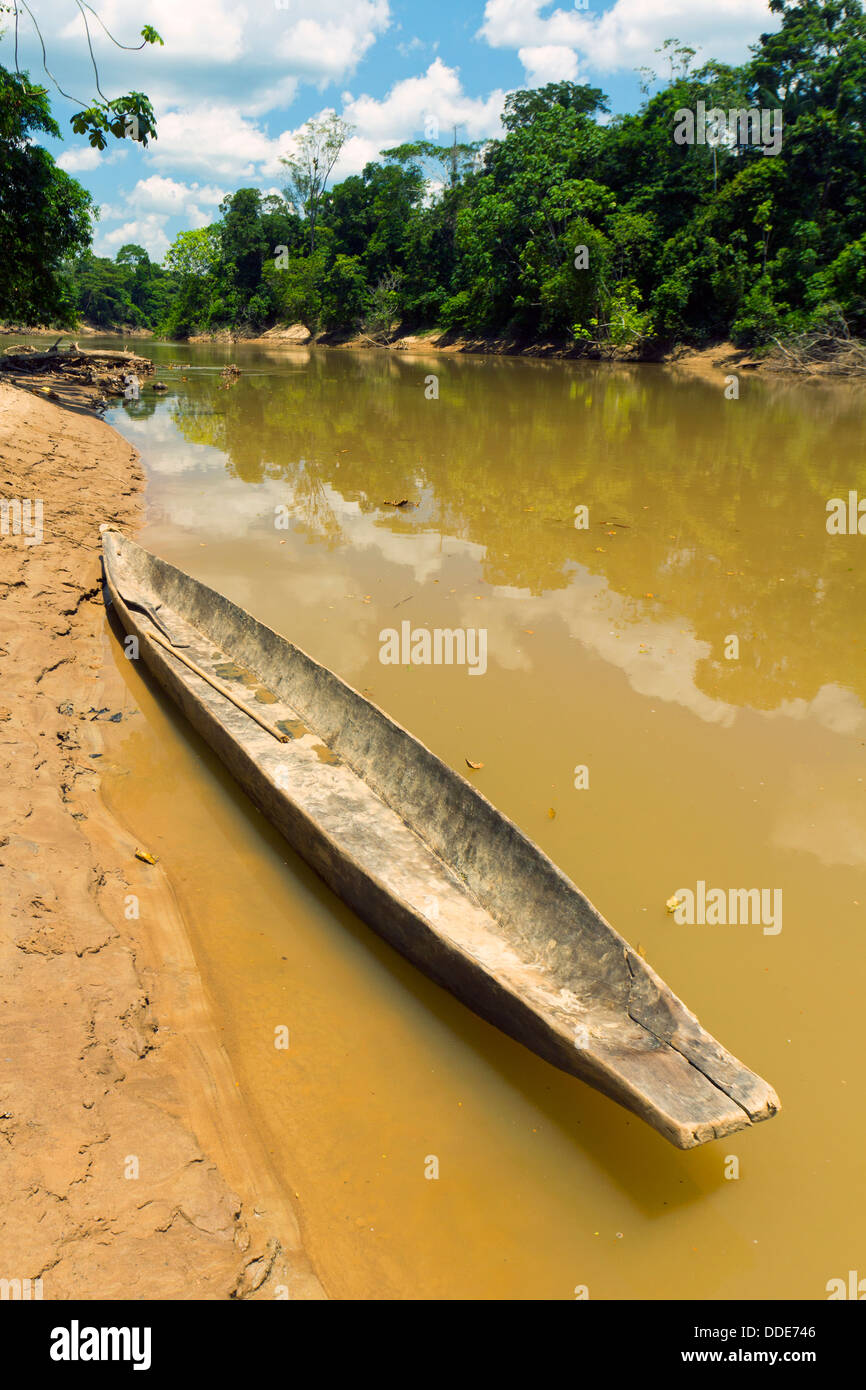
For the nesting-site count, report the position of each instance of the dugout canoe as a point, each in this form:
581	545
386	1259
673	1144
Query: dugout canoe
426	860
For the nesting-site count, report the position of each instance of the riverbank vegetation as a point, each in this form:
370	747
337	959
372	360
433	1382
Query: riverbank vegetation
595	231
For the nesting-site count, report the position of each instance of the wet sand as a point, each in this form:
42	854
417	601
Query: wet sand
129	1166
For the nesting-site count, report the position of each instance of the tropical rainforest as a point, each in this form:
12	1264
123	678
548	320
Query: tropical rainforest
576	225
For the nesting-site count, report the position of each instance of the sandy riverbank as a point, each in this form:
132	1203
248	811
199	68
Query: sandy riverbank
128	1164
715	362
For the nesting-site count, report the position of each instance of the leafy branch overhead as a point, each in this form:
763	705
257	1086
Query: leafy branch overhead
126	117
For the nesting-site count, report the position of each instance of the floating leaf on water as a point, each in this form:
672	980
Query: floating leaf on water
673	903
404	502
551	813
474	766
145	856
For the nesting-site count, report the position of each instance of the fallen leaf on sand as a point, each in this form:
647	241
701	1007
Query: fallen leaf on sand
474	766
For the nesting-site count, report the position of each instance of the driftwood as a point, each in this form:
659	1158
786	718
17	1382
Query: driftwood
828	349
22	359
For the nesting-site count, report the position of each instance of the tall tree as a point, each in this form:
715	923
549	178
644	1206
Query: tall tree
317	150
447	165
244	245
522	108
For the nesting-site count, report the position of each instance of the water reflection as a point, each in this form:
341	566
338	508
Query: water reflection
706	516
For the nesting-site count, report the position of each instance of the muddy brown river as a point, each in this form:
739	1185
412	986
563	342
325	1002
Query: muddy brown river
673	696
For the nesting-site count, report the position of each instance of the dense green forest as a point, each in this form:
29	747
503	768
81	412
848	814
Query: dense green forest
575	226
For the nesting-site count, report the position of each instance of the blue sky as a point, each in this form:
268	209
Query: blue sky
235	82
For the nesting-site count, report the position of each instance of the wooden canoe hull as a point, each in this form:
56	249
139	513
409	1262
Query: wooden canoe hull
428	863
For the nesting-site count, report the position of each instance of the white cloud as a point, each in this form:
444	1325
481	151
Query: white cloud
147	231
330	47
550	62
86	157
145	211
403	114
167	195
627	35
437	92
414	45
190	29
207	43
436	96
213	136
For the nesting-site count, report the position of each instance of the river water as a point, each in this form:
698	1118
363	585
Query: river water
608	648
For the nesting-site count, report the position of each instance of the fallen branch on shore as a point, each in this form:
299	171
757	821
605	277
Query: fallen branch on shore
22	358
829	349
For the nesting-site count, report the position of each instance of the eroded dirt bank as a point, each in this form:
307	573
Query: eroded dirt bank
128	1166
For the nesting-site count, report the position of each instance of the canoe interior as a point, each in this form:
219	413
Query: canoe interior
429	863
